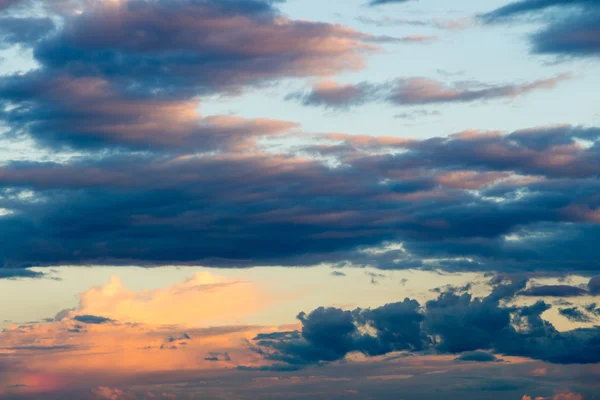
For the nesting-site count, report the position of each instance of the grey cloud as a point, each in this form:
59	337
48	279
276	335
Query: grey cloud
92	319
448	324
594	285
477	356
574	314
554	291
571	31
439	198
23	30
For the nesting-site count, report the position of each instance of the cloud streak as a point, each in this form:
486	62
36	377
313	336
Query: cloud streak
415	91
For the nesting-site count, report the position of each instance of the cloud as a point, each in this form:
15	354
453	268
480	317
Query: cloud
451	323
216	300
594	285
415	91
7	3
382	2
574	314
571	32
9	273
89	113
108	393
198	47
450	24
567	396
161	331
477	356
474	200
329	334
23	30
91	319
554	291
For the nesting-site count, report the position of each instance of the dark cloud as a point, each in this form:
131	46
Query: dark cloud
522	201
527	6
574	314
218	356
592	308
477	356
328	334
554	291
594	285
90	113
10	273
449	324
188	47
92	319
571	31
23	30
414	91
36	348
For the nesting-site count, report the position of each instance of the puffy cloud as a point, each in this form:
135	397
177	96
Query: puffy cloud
449	324
573	32
594	285
415	91
169	330
329	334
216	300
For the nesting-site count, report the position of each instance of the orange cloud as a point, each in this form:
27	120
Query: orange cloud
117	332
202	300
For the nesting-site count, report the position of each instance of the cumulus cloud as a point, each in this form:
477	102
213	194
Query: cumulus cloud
451	323
415	91
594	285
216	300
149	331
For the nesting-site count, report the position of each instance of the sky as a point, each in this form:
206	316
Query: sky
288	199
